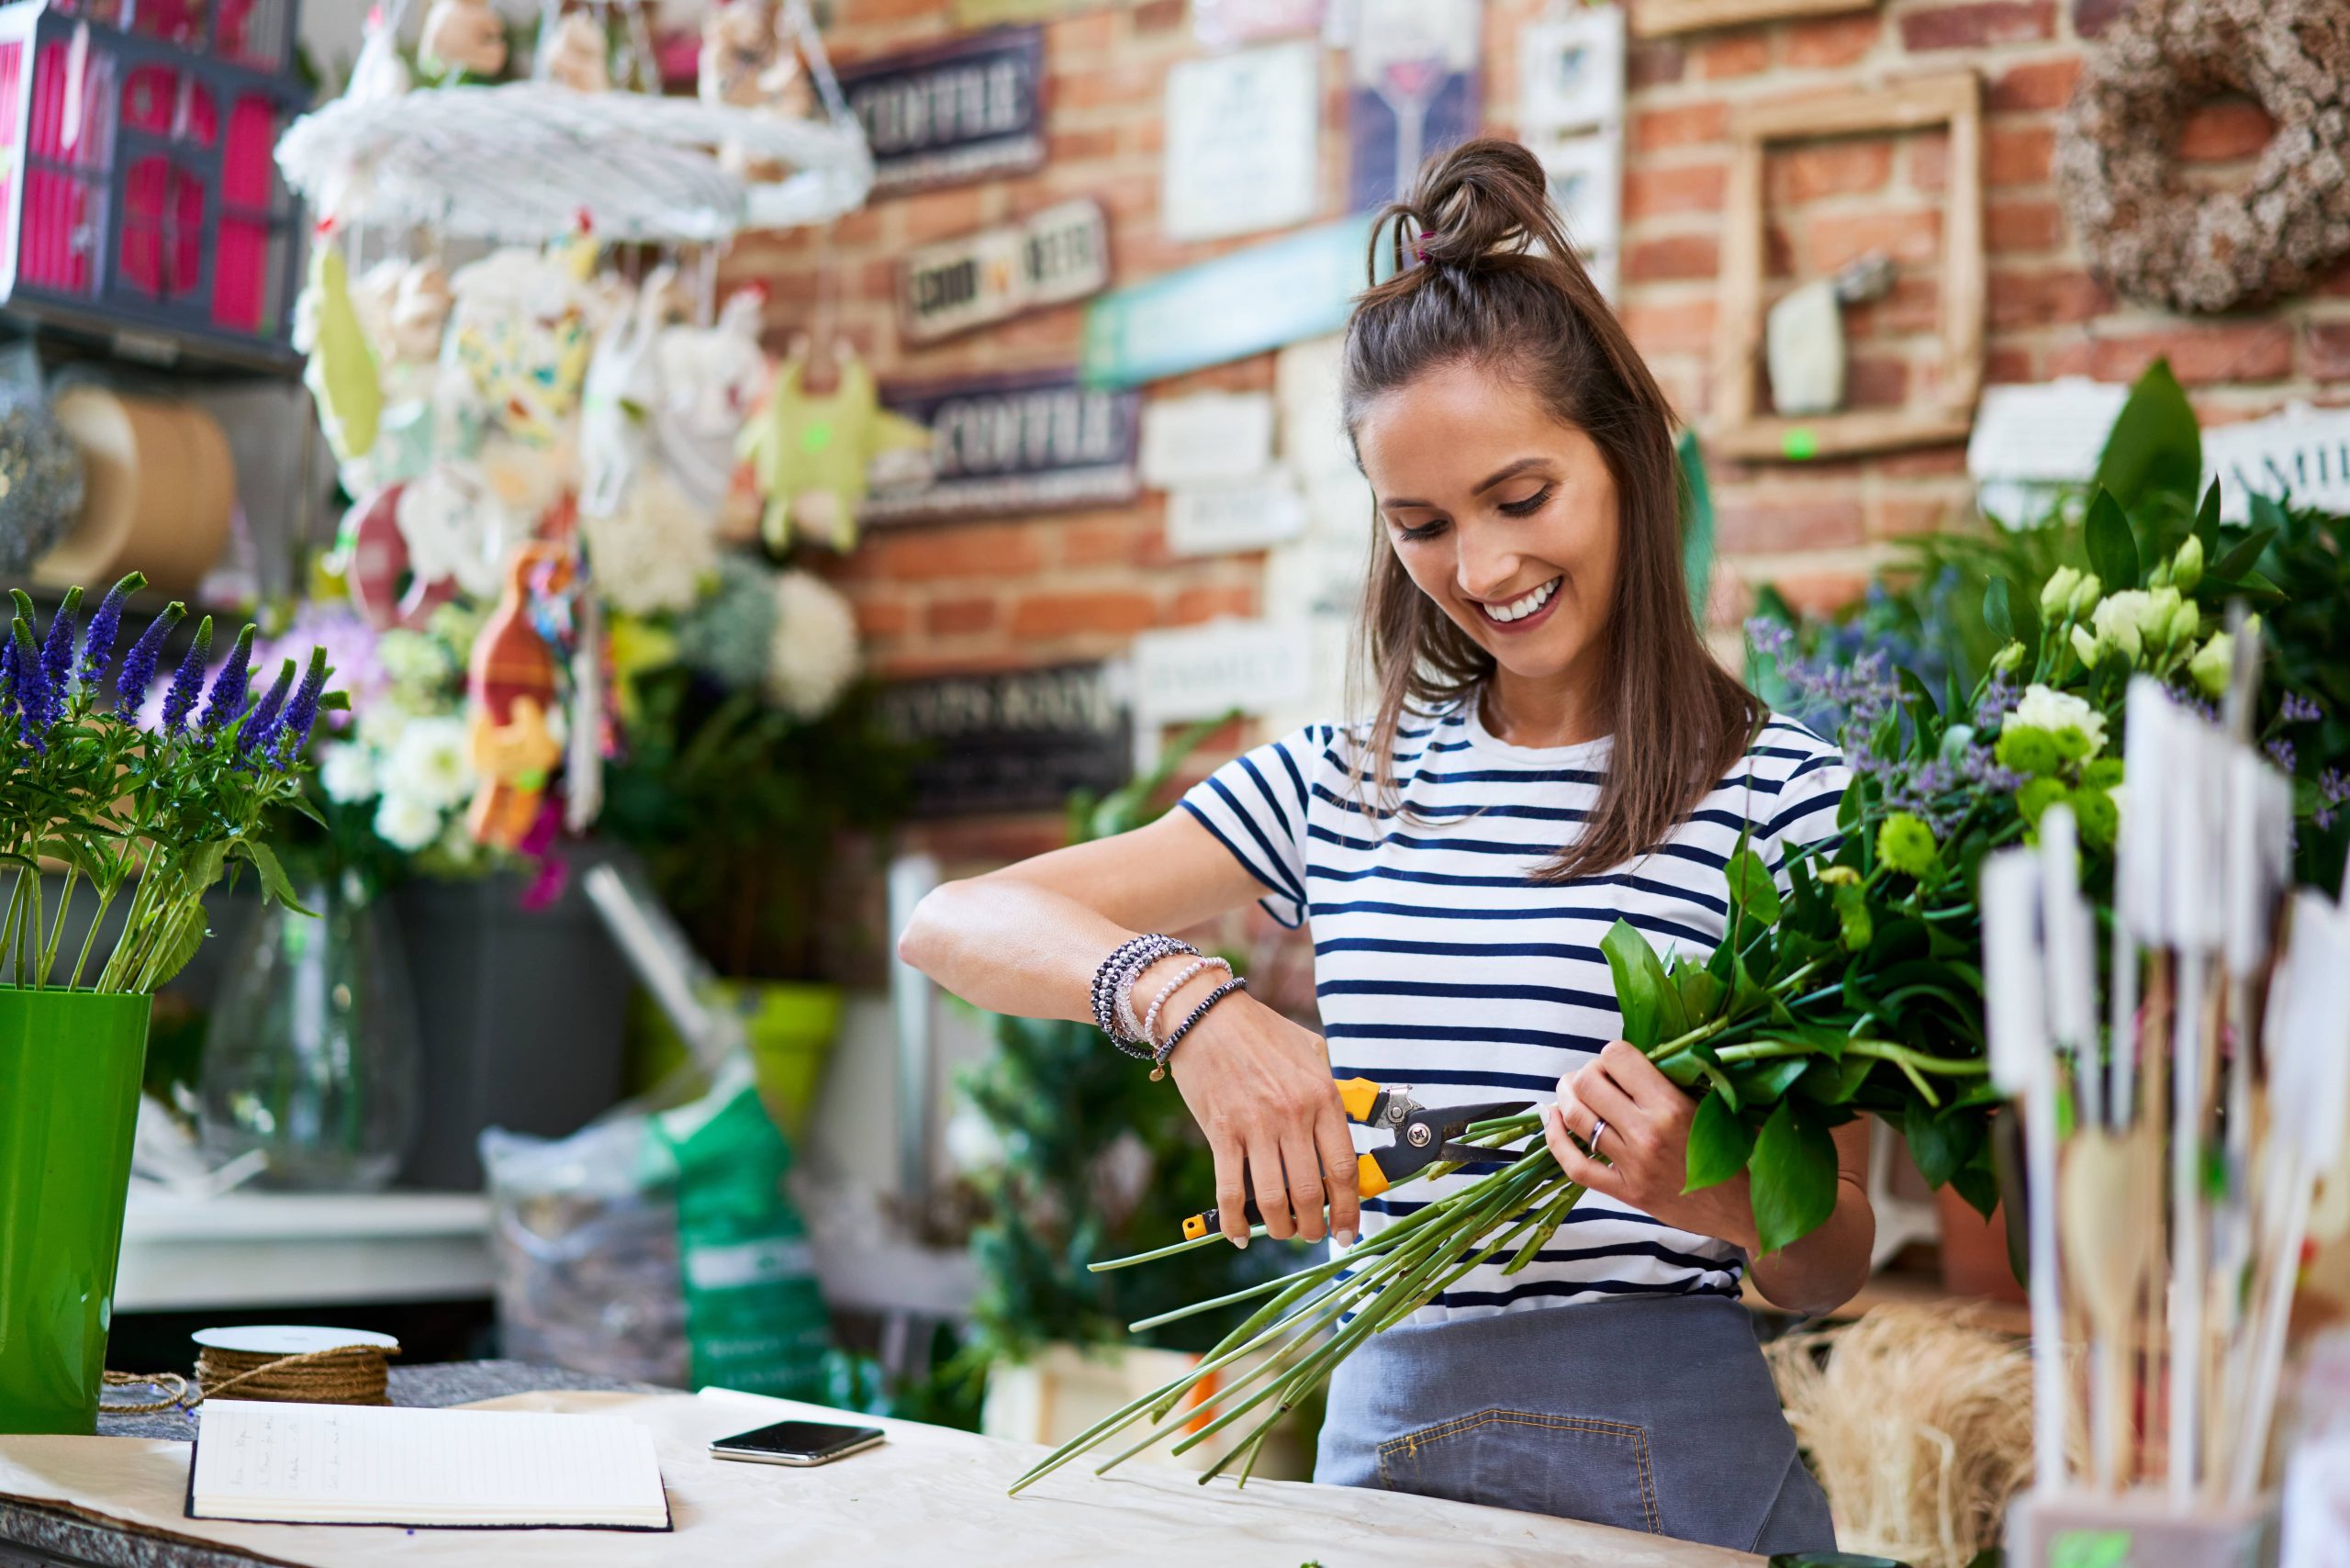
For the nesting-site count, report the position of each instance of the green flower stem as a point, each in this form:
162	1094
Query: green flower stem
1881	1050
90	940
57	929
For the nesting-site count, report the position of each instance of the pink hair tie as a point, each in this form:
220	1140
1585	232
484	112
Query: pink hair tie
1420	247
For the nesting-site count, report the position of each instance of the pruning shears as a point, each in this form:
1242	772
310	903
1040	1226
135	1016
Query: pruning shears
1422	1136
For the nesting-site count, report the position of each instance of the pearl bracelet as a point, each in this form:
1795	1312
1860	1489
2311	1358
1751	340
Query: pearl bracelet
1114	988
1158	1058
1158	1003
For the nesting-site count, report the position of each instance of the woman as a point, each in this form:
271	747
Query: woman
1553	749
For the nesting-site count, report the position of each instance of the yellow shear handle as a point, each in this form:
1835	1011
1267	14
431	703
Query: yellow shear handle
1359	1095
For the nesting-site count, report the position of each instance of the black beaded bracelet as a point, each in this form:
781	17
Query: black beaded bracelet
1166	1047
1118	973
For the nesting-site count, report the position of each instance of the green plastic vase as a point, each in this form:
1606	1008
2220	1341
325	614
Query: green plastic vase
70	1064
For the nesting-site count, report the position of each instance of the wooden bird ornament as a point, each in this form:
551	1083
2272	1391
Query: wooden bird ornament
511	699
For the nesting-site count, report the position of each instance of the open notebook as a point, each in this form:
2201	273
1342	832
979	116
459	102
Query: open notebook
348	1464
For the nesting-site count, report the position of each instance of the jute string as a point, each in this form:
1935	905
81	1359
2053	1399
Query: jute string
346	1374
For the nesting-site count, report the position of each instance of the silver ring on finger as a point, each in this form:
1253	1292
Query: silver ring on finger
1598	1129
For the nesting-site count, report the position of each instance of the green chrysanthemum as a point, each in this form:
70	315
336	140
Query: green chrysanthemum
1907	845
2024	749
2100	819
2038	796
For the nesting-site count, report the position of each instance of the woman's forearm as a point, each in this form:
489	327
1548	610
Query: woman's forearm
1824	1270
1011	946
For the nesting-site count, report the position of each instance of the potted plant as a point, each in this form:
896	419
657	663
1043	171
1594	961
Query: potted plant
151	819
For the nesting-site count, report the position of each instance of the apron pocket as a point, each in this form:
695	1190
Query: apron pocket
1573	1466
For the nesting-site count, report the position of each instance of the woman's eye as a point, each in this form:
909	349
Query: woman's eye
1530	505
1426	531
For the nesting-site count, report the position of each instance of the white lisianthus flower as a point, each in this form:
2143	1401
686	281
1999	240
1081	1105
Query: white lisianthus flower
652	553
2120	619
382	722
430	763
347	772
2054	712
811	655
406	822
2211	666
2056	593
2085	645
2158	614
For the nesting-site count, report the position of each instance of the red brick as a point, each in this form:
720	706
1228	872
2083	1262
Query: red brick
1079	146
1686	326
1653	62
1733	54
1687	187
1041	616
958	617
1913	305
2325	355
1765	524
891	617
1812	170
1821	592
1833	41
2091	17
934	215
1073	39
1125	540
1158	15
1928	462
1978	26
2023	226
1676	256
2045	298
2017	155
1928	155
967	550
860	228
2225	129
2041	85
1873	381
2201	356
1904	516
2009	363
1194	605
1680	124
1831	239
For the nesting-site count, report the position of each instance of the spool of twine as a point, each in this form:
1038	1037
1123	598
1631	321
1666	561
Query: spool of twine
335	1374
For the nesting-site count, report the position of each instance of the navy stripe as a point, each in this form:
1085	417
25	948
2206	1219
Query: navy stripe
1464	1034
1483	1078
1574	1288
1462	949
1272	857
1467	991
1273	800
1248	864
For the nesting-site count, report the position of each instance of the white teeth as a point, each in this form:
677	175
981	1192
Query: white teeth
1518	608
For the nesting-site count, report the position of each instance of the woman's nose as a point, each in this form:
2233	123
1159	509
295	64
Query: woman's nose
1484	565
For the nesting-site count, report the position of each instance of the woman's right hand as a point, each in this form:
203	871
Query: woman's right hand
1262	1090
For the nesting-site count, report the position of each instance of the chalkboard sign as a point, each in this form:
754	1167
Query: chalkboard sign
968	109
1012	740
1025	443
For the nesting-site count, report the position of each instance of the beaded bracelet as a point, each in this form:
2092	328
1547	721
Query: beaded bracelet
1131	1027
1167	1049
1105	981
1158	1003
1113	989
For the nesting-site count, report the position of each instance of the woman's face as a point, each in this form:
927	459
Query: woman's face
1503	516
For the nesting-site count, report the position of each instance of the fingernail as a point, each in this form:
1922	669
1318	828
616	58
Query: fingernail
1242	1244
1345	1239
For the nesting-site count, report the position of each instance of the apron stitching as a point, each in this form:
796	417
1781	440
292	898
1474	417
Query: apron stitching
1410	1443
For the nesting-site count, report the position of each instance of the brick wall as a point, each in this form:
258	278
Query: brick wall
1030	590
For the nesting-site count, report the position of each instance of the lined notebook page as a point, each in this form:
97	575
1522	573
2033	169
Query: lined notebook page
362	1464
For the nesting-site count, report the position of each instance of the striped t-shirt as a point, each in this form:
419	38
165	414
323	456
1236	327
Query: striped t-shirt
1439	966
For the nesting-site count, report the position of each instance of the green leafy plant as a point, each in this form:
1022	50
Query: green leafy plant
1849	983
159	813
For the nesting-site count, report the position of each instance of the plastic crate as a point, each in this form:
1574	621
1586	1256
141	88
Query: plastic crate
138	190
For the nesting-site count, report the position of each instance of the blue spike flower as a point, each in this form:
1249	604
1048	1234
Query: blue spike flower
105	624
57	652
138	665
228	697
33	692
187	681
302	712
261	725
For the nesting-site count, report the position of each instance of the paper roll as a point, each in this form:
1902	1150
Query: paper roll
161	493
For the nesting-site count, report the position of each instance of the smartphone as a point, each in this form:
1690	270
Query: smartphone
797	1443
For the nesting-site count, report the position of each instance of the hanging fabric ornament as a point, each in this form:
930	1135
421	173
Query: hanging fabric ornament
617	399
522	332
708	378
809	452
376	572
462	42
577	57
512	702
341	370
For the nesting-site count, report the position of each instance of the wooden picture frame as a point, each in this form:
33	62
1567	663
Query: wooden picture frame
1952	98
1662	19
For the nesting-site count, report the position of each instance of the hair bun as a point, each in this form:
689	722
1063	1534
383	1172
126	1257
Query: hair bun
1481	199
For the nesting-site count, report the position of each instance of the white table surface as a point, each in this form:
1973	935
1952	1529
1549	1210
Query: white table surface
313	1249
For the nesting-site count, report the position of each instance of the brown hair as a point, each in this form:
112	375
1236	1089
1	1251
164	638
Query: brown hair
1479	272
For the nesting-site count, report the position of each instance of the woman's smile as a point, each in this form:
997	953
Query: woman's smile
1524	612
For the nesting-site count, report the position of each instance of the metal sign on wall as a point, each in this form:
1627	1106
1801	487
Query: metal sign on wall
1032	442
1299	285
975	280
1012	740
968	109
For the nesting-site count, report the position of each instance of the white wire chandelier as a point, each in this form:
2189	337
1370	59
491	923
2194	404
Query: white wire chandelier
526	162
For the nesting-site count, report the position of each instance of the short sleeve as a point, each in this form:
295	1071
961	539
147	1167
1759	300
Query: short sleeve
1803	812
1255	805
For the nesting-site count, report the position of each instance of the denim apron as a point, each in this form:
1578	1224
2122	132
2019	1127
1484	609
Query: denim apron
1649	1413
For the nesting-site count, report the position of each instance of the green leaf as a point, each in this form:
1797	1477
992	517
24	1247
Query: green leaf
1853	915
1794	1168
2154	446
1718	1144
1850	804
2266	512
186	935
1767	1080
1685	1068
273	881
1639	983
2207	521
1997	616
1696	526
2113	549
1940	1144
2244	555
1751	889
1834	1082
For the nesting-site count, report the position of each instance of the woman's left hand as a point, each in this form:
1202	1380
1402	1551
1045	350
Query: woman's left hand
1643	1150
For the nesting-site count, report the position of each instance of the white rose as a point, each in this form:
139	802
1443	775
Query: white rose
411	659
2042	709
811	656
429	762
406	822
347	772
2118	619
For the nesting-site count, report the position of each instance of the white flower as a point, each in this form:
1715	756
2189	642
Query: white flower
2042	709
382	722
652	554
430	763
811	656
2119	620
347	771
413	659
406	822
2158	614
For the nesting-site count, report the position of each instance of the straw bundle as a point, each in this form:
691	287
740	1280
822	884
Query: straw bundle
1918	1426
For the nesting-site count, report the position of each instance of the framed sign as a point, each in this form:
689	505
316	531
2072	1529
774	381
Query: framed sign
1571	72
1414	92
1244	303
1062	253
2300	454
1012	740
1242	142
1034	441
968	109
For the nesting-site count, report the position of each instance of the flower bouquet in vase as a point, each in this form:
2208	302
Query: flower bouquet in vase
143	821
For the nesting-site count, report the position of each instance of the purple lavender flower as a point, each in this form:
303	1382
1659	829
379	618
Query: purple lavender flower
1981	769
2281	752
2323	817
187	681
261	725
229	697
302	712
2296	709
32	693
1998	697
57	652
351	649
105	624
138	665
1772	639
